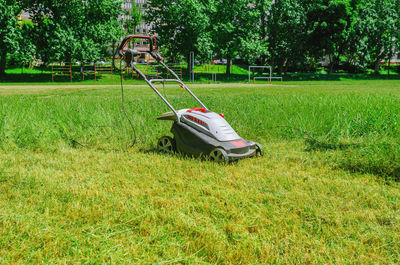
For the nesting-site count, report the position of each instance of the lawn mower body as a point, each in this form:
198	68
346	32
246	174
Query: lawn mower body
197	131
201	131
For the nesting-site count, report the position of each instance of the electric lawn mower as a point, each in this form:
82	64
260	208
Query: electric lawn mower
197	131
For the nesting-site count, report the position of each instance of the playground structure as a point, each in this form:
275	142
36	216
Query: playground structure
191	66
153	71
61	69
208	68
96	69
214	77
269	78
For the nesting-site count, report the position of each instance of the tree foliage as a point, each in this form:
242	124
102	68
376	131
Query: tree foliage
10	31
181	26
234	30
327	23
134	16
287	34
377	25
27	50
295	34
66	30
207	27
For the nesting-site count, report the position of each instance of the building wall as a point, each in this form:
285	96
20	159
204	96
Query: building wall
143	28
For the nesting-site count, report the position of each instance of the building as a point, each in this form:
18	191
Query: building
143	28
25	16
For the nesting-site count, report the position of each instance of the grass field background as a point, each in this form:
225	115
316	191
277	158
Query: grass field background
203	74
72	189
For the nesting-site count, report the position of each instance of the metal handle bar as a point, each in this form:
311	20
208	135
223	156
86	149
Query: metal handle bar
166	80
159	60
184	86
155	90
129	37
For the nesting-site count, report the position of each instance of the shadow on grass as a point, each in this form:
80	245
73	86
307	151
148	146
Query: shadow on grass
45	78
318	76
183	156
336	77
381	159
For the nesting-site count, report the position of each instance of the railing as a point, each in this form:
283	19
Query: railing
96	69
61	69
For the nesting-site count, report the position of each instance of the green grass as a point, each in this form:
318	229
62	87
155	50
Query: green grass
72	190
203	75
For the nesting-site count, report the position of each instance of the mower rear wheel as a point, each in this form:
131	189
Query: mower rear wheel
166	144
259	150
218	155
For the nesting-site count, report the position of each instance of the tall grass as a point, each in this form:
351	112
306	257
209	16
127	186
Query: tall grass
328	117
72	190
95	118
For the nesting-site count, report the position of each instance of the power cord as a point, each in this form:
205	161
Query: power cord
123	104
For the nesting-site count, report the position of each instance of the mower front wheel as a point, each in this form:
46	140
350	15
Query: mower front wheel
218	155
166	144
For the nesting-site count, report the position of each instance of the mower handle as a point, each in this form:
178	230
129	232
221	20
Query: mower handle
129	37
128	56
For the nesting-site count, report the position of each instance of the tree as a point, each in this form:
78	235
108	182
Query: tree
233	25
397	37
133	18
181	26
327	24
287	34
375	24
260	45
74	29
10	31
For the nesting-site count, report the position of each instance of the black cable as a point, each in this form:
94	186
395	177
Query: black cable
123	105
165	91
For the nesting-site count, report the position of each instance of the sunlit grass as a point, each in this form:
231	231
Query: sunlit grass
72	190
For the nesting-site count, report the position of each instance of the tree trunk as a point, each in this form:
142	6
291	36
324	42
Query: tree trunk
189	68
280	68
377	66
263	59
390	57
331	67
68	58
286	66
3	59
228	65
113	58
272	61
331	64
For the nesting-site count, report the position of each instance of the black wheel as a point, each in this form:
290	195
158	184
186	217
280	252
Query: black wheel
259	150
166	145
218	155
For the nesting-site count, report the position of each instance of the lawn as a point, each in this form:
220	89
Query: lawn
74	190
203	74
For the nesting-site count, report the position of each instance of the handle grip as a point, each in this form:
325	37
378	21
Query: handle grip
152	41
197	109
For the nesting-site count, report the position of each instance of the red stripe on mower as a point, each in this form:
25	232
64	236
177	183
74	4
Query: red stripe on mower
239	143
